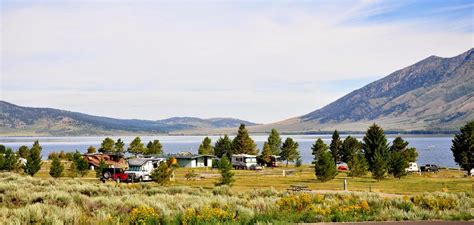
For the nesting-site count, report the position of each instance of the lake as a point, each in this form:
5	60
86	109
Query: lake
431	149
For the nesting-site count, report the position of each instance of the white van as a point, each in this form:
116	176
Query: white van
413	167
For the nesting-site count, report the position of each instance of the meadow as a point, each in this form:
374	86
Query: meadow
256	196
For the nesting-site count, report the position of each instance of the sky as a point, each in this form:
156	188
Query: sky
262	61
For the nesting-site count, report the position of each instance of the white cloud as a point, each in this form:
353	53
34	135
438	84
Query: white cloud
162	60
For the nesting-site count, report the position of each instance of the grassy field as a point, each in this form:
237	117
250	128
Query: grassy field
445	180
27	200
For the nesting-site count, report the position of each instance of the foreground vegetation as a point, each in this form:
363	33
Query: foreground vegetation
24	199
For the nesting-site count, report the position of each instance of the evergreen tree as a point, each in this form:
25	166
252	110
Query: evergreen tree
274	141
9	160
357	164
91	149
154	148
375	141
107	145
56	169
336	146
79	164
242	143
410	154
119	146
136	146
289	150
398	165
379	164
100	168
163	173
350	145
33	161
398	145
23	151
227	176
206	148
463	147
325	168
2	149
318	148
223	147
266	153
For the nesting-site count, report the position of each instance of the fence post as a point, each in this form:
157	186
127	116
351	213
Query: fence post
345	184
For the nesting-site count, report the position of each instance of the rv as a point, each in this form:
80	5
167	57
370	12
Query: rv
244	161
139	169
413	167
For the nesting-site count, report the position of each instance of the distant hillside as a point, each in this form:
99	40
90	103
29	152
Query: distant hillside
433	94
18	120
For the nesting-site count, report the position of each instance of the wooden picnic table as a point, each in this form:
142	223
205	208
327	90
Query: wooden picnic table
297	187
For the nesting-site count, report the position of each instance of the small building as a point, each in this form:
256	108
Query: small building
187	159
115	160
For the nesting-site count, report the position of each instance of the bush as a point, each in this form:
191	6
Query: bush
144	215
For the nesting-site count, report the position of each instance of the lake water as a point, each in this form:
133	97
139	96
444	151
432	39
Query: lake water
434	150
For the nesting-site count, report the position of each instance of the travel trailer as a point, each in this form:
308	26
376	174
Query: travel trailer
244	161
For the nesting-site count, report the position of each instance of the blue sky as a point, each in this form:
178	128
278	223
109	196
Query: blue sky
261	61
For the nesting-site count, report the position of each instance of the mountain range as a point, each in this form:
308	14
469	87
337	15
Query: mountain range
435	94
19	120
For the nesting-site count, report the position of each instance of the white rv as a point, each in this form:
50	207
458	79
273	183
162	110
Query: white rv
413	167
244	161
139	169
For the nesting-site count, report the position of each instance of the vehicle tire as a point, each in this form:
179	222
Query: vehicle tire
107	175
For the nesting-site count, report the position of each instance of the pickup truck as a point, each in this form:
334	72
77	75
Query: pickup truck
429	168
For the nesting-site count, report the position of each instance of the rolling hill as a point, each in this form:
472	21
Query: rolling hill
435	94
18	120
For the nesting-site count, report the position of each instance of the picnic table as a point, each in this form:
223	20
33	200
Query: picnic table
297	188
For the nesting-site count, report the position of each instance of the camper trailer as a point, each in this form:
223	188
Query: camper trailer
244	161
139	169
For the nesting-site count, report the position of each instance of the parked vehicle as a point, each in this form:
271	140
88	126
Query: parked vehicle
245	162
116	174
342	166
139	169
413	167
429	168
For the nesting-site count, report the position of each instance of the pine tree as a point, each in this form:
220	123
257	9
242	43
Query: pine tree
289	150
350	145
227	176
223	147
375	141
336	146
91	149
266	153
33	161
463	147
100	168
379	164
325	168
10	160
410	154
242	143
357	164
79	164
23	151
274	141
136	146
119	146
2	149
107	145
398	161
206	148
163	173
318	148
154	148
398	165
57	168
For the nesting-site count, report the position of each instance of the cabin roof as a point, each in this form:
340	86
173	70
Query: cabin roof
191	156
